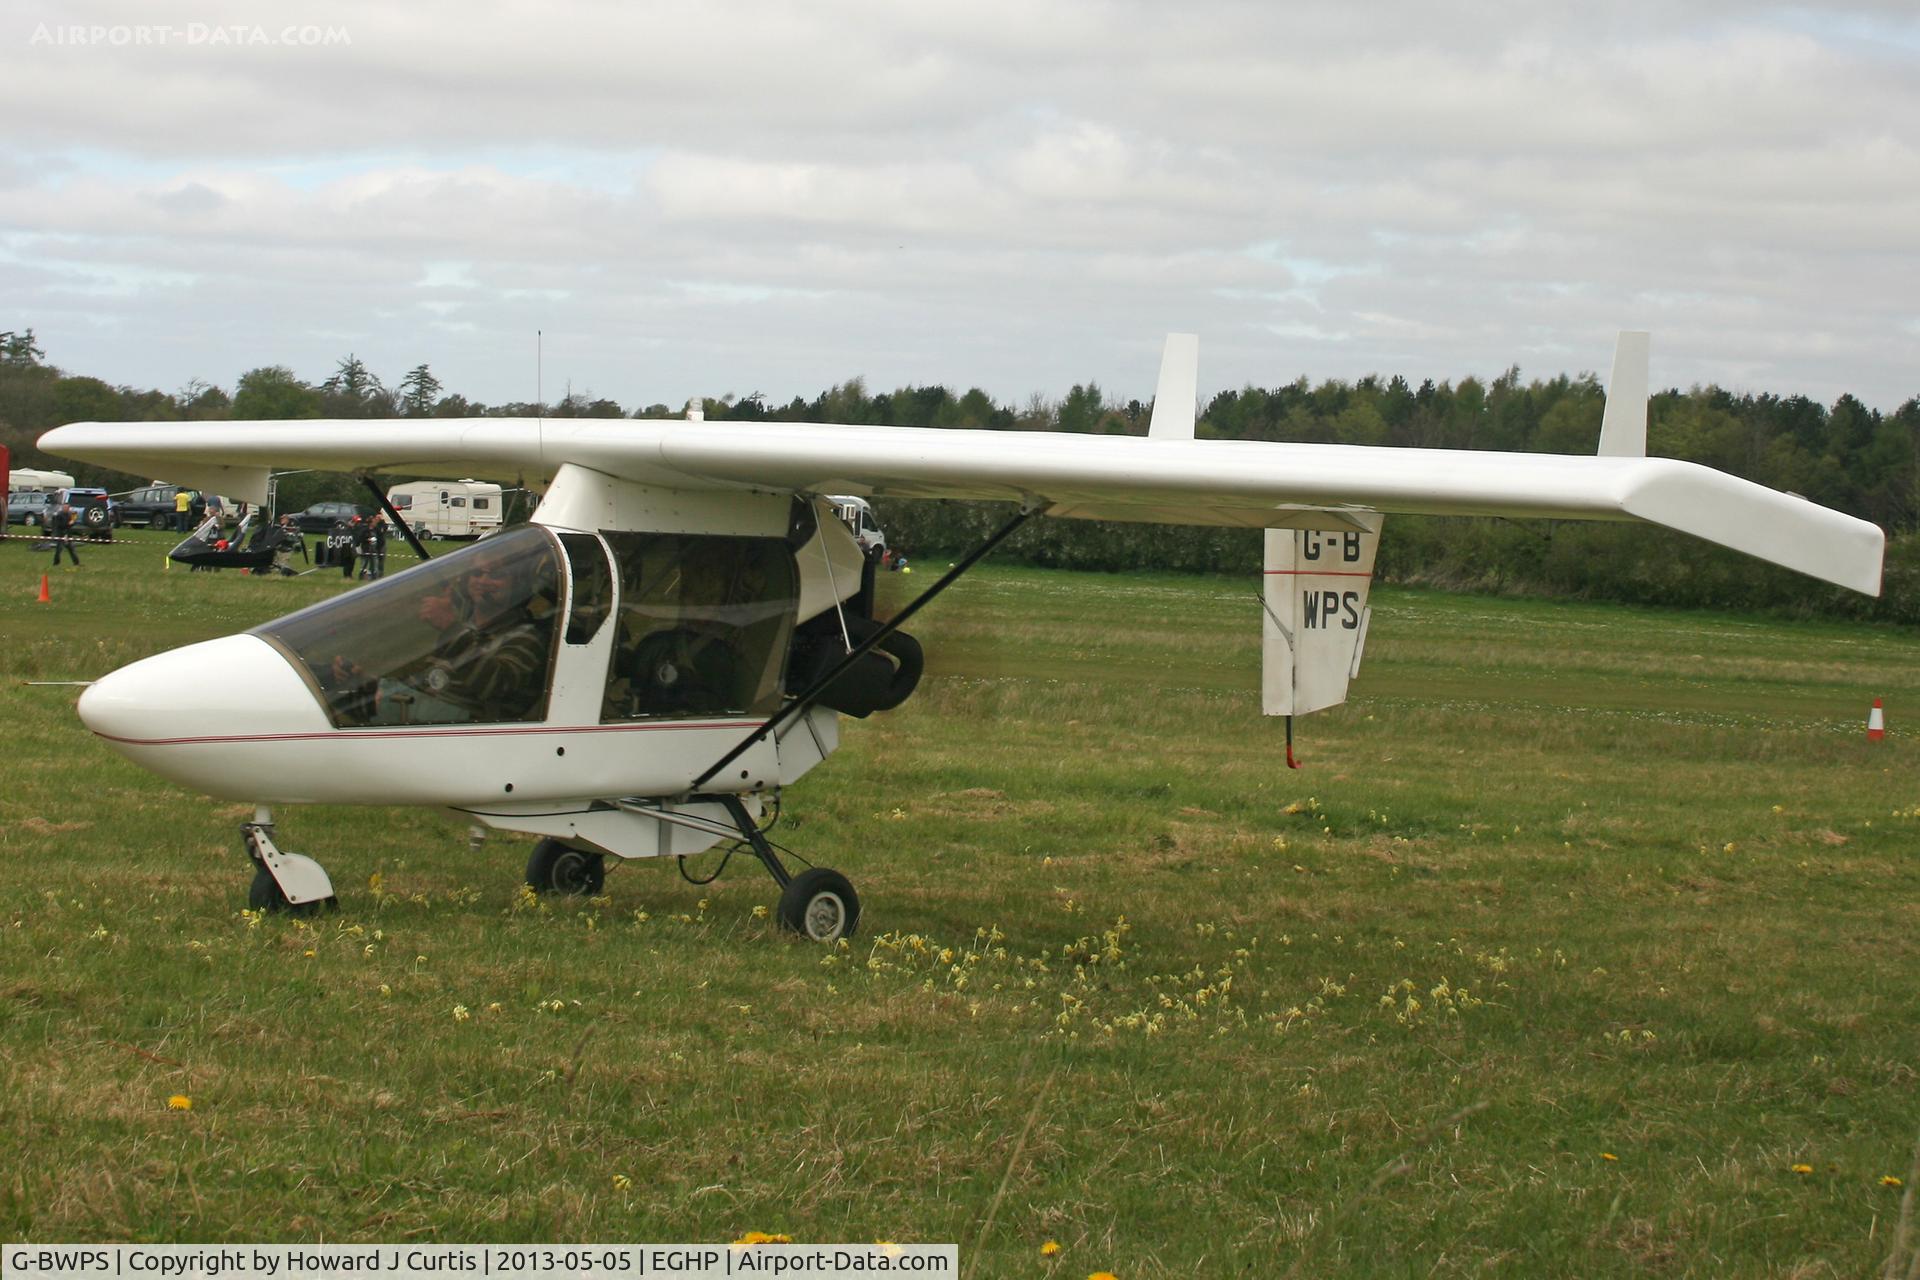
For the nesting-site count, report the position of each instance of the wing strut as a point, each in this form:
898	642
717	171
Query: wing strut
406	530
825	682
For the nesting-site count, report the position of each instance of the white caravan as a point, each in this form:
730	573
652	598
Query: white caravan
27	480
448	508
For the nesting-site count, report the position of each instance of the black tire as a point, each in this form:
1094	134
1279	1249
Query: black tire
266	895
820	904
160	523
31	521
97	517
563	869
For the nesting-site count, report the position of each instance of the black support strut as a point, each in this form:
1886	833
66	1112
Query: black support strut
406	530
737	810
859	651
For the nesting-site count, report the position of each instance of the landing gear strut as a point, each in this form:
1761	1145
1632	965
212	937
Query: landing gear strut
289	882
819	903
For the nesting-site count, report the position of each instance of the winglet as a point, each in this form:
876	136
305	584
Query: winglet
1623	427
1173	399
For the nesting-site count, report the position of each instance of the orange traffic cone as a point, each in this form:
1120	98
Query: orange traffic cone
46	597
1876	723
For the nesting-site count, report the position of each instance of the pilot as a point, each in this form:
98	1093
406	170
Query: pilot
495	635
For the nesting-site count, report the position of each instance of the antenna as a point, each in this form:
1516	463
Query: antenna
539	371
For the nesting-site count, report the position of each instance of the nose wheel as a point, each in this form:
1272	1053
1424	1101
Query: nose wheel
282	881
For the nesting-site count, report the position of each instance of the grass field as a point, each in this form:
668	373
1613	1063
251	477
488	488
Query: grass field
1585	943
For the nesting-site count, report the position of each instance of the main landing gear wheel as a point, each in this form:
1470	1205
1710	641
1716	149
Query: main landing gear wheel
820	904
265	894
561	868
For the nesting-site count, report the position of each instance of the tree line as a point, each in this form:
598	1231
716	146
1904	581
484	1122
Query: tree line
1844	455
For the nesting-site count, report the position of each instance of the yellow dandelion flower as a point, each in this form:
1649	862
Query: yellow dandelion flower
760	912
309	955
460	1013
179	1102
1803	1168
762	1237
1891	1181
621	1182
1608	1155
1050	1248
1103	1275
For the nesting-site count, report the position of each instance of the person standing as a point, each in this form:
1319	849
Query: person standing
341	539
284	538
182	504
60	525
377	546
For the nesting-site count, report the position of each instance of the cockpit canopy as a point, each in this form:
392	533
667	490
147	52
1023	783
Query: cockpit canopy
478	636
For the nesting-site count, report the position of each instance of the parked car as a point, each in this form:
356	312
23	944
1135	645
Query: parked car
93	512
155	506
319	517
28	508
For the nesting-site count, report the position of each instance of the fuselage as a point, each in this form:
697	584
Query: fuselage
563	660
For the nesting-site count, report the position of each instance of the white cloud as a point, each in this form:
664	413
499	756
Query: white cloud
688	197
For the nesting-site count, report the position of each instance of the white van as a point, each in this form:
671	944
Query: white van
448	508
857	514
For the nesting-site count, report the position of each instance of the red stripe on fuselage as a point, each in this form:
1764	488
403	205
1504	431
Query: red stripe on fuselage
362	734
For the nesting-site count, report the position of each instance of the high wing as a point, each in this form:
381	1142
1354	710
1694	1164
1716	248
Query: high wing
1166	480
1162	481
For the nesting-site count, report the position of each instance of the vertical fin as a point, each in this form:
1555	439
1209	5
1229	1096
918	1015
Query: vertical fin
1173	399
1623	427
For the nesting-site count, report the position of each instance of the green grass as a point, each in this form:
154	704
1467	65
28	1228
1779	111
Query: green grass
1581	928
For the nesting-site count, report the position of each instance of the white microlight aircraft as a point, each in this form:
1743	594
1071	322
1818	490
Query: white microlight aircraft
672	639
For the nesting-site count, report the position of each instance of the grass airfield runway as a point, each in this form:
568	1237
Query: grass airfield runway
1587	942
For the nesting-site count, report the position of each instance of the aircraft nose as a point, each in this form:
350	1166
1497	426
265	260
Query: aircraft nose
197	714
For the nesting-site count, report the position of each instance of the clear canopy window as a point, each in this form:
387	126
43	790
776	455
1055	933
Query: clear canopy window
466	638
703	625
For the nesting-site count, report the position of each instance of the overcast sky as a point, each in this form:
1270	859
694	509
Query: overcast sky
700	198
